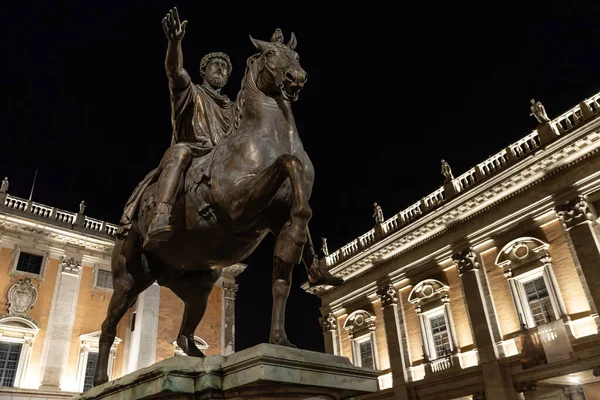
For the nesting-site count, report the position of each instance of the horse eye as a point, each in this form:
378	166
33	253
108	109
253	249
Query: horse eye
271	53
297	57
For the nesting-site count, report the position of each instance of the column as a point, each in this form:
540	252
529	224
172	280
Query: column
394	335
229	290
468	270
142	347
330	332
228	318
584	245
57	342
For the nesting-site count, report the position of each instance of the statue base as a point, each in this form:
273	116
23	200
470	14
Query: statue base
261	372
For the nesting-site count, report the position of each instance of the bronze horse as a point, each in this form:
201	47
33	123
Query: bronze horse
257	181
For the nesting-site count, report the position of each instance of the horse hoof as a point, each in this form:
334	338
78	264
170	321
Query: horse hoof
282	341
319	276
189	347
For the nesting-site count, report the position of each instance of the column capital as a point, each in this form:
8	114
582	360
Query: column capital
574	212
328	323
69	265
388	295
230	290
466	260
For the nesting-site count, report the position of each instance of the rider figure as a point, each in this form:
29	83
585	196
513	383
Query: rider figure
201	118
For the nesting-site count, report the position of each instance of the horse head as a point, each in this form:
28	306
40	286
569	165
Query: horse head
278	67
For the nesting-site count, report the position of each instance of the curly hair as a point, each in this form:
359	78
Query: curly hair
206	59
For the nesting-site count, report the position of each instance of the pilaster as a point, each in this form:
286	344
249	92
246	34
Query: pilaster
228	317
57	342
393	331
330	332
229	290
142	346
468	270
577	219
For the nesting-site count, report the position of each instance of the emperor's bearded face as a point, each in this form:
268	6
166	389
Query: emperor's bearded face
217	72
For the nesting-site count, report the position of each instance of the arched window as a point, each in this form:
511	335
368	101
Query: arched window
361	330
16	341
432	304
528	268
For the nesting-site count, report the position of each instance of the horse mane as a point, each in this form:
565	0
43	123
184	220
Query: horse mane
240	100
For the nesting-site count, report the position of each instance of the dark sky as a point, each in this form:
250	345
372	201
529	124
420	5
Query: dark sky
391	91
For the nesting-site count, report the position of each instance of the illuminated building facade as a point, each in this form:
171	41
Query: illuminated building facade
489	287
56	283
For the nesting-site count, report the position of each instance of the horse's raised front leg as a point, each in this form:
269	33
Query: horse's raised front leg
253	194
126	259
282	281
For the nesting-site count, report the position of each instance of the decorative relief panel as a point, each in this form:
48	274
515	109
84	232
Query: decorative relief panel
21	298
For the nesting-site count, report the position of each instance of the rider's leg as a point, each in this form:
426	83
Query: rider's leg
173	164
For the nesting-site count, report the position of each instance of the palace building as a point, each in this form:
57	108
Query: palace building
55	285
489	287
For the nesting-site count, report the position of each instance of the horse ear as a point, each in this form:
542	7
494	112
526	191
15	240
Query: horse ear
293	42
260	45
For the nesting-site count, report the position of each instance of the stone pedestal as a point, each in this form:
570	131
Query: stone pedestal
260	372
547	132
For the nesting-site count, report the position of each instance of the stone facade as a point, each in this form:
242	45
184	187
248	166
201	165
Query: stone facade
55	281
489	287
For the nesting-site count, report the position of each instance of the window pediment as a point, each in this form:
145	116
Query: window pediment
426	290
521	251
358	320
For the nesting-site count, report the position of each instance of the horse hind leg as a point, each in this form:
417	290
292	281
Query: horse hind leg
126	257
193	288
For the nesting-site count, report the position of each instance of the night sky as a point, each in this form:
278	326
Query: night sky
390	92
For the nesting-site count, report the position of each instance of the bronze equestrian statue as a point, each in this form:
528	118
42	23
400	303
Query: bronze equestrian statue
257	181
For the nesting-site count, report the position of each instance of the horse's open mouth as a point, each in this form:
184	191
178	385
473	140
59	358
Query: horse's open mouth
290	93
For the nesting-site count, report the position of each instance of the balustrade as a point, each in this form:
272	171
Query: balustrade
526	145
441	364
51	213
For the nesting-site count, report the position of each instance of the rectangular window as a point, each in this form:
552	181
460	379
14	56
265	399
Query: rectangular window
31	263
439	333
366	354
9	361
539	301
90	368
104	279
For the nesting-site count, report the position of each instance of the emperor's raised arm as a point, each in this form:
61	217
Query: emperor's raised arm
175	30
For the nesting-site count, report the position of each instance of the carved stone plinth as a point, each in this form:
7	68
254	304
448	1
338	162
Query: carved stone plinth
260	372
